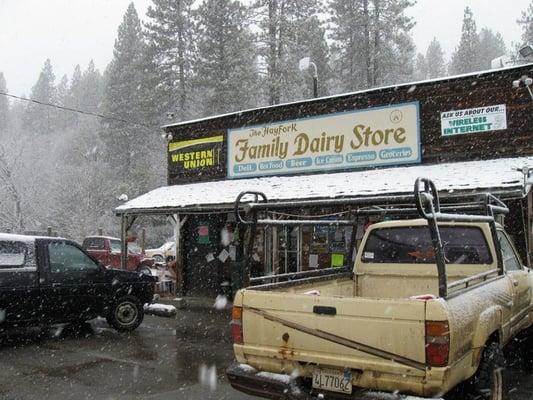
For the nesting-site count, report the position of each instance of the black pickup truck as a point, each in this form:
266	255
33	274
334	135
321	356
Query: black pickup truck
46	280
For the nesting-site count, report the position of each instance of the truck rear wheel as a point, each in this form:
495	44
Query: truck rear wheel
525	352
488	381
126	314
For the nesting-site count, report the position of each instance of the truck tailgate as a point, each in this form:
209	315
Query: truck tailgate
358	333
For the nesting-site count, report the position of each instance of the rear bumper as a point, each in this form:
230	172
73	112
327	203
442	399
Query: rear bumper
246	379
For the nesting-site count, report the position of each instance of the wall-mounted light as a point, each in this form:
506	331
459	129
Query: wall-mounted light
306	63
524	81
526	51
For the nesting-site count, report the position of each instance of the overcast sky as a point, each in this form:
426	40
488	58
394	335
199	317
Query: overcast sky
71	32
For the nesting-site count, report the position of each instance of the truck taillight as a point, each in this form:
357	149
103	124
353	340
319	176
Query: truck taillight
437	343
236	325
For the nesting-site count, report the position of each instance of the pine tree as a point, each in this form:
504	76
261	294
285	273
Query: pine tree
466	56
74	97
436	66
122	99
373	43
169	34
421	68
91	85
491	45
62	91
280	23
399	58
310	41
351	44
4	105
225	66
84	93
526	22
63	118
38	118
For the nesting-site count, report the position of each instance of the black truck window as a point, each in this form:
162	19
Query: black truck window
13	254
67	258
412	245
510	260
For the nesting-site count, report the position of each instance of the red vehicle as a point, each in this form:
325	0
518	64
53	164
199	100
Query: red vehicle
107	251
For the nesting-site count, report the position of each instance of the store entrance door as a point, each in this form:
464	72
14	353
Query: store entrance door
203	269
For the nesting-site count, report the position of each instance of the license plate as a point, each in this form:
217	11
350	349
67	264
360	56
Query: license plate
333	380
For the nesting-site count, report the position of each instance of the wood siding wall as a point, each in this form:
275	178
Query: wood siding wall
485	89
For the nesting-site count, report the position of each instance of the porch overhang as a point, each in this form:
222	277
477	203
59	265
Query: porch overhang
506	178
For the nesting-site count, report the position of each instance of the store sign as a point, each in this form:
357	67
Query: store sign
355	139
195	154
473	120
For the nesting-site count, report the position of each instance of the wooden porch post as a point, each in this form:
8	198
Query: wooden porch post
123	243
178	238
530	228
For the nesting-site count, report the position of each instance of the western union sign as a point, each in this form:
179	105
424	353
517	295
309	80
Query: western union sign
195	153
354	139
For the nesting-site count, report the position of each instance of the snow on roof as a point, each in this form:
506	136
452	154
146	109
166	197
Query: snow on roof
499	174
12	237
364	91
101	237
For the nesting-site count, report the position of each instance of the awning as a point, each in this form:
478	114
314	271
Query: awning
500	176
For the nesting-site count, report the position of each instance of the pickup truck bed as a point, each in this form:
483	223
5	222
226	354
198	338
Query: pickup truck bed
385	326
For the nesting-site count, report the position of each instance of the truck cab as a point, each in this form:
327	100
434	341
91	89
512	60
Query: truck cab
51	280
107	250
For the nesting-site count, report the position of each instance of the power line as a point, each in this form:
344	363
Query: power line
42	103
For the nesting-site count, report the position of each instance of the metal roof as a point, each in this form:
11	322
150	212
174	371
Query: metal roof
499	176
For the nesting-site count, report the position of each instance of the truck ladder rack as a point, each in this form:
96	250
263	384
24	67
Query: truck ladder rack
426	204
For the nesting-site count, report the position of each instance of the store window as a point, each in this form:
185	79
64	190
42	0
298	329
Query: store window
287	249
326	246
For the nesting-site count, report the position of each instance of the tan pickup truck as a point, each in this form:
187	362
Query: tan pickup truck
429	305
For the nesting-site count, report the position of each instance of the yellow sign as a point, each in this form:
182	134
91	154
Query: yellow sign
195	153
354	139
173	146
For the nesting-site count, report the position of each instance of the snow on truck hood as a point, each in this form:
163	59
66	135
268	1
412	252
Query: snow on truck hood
491	175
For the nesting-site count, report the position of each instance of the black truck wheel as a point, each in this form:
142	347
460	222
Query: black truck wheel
126	314
488	381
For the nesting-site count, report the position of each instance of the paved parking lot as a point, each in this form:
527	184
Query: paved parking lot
161	360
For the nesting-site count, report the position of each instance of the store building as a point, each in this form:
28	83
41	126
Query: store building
348	156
